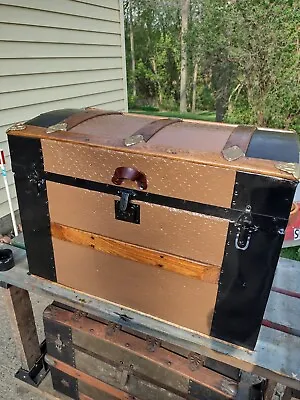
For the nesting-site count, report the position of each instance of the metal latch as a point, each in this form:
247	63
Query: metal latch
245	227
125	210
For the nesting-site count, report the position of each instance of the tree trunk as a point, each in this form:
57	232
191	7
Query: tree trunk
132	54
195	75
153	62
260	118
183	71
220	109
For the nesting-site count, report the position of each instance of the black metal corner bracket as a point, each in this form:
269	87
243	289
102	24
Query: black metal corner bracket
38	372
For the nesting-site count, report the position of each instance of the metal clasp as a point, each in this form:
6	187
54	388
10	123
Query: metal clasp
124	201
245	229
125	210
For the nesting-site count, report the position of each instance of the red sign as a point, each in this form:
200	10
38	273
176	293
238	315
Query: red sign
2	158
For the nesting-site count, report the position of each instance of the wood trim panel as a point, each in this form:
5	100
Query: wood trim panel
96	344
88	379
168	262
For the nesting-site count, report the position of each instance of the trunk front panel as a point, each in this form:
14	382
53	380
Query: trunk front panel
172	297
186	234
172	178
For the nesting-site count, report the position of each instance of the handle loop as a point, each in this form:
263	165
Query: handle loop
132	174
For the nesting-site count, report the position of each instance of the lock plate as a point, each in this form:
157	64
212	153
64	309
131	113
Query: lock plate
130	214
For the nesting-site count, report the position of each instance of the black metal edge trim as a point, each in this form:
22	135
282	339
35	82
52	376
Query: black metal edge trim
264	221
222	368
52	117
64	383
265	195
38	372
197	391
274	145
59	341
27	165
246	279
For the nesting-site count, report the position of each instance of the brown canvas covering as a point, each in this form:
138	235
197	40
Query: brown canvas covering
202	142
166	295
194	236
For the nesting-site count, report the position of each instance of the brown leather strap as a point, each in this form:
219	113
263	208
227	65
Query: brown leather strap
132	174
85	115
146	132
238	142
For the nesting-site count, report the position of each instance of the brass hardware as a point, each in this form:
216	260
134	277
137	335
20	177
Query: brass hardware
59	344
61	126
290	168
124	378
152	344
112	329
78	315
19	126
134	139
195	361
229	387
233	153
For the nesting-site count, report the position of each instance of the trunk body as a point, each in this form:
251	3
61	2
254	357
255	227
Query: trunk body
109	362
153	207
183	69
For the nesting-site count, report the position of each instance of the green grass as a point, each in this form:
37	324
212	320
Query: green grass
293	253
202	115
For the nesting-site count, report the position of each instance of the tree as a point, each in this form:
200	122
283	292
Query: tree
132	54
241	55
183	70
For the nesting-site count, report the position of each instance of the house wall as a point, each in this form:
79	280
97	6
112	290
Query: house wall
58	54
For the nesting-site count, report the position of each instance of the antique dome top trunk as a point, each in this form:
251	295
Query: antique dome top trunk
181	220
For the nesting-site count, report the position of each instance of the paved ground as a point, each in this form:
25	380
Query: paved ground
10	389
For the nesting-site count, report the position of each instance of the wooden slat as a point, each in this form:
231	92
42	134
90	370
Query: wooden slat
168	262
137	386
88	379
273	361
94	347
84	397
23	325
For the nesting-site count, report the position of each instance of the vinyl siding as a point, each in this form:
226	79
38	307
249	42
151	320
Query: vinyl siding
57	54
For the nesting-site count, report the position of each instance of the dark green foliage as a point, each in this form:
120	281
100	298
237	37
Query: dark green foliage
246	53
